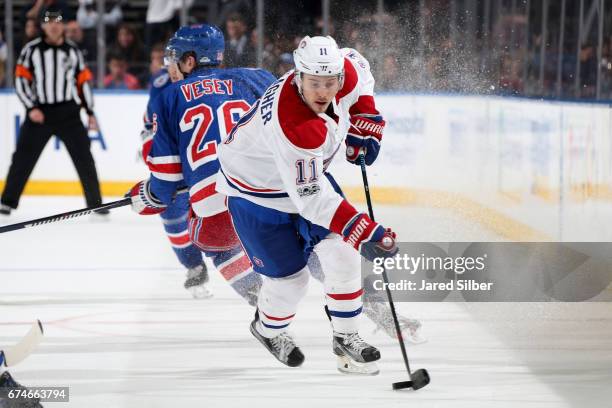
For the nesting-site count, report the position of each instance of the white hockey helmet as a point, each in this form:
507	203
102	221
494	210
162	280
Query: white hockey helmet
318	56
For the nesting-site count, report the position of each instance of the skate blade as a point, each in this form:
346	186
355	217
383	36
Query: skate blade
348	366
201	292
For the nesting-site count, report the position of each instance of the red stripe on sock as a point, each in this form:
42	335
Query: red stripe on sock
235	268
180	240
346	296
277	318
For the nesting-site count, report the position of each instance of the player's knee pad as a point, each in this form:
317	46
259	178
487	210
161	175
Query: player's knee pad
284	293
278	300
214	233
339	261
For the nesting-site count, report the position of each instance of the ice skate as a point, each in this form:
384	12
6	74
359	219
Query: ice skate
282	347
197	282
8	382
355	356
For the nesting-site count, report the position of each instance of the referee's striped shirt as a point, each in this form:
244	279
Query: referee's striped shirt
48	74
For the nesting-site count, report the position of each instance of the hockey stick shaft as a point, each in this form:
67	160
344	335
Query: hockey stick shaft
366	188
65	216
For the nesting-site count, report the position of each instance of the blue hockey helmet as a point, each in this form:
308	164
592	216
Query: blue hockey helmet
205	41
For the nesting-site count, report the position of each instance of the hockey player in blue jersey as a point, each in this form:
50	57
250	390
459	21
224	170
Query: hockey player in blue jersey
174	218
188	120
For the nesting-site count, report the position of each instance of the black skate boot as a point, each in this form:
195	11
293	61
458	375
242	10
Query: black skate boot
282	346
7	383
197	282
355	356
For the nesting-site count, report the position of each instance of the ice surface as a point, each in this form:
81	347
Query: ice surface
122	332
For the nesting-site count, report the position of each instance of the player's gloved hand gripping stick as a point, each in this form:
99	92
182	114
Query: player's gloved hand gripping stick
420	377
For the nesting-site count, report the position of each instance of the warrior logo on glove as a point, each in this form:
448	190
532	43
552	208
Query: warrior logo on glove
364	136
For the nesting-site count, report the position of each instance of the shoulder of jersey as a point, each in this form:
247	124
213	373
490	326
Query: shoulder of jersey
162	79
351	75
245	72
298	123
71	43
33	42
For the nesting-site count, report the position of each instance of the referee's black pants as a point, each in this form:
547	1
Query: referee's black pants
64	121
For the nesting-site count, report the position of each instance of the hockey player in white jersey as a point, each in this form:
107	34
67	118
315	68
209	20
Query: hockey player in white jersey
284	204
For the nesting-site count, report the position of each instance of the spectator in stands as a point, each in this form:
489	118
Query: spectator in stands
510	81
162	20
588	70
87	14
285	63
243	7
390	78
129	46
119	77
156	63
606	69
271	52
3	51
31	30
35	10
238	53
75	34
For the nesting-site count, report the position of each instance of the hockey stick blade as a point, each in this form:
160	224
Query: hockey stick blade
419	379
65	216
20	351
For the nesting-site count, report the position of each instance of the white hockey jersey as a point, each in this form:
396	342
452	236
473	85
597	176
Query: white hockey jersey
277	153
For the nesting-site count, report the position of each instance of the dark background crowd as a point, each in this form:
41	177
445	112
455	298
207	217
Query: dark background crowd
517	47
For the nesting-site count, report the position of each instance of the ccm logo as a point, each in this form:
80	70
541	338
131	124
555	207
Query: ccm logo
358	231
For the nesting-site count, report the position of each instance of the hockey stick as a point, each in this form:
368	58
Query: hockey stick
420	377
65	216
17	353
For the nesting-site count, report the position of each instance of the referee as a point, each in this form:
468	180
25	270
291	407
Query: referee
52	81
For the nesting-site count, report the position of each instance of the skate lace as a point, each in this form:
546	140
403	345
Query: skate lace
284	344
355	342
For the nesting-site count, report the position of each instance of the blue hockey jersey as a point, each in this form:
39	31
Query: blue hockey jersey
189	119
159	81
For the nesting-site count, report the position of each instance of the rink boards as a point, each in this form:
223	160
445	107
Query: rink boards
501	161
